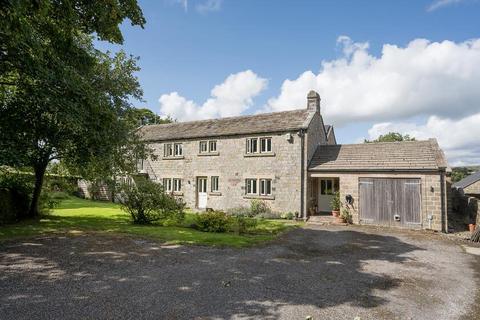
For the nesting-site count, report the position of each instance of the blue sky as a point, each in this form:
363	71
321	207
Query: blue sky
188	47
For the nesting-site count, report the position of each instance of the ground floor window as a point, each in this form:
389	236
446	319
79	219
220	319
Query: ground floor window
167	184
177	185
265	187
251	186
214	184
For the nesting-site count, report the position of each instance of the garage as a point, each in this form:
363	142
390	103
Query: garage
390	202
392	184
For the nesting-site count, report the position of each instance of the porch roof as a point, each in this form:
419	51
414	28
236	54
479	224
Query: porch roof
386	156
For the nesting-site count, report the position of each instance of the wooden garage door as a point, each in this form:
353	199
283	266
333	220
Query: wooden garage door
390	202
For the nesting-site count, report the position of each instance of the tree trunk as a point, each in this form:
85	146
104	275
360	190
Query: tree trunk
39	175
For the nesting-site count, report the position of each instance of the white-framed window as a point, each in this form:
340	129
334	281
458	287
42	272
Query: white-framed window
252	145
212	146
265	144
168	150
177	185
265	187
251	186
178	149
327	187
214	184
203	146
259	145
167	184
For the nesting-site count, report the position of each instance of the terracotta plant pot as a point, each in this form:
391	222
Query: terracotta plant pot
471	227
335	213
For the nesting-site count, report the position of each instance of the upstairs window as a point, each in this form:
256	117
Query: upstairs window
208	146
203	146
265	144
259	145
178	149
252	145
168	150
214	184
212	146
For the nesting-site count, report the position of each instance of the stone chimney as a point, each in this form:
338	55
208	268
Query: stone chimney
313	101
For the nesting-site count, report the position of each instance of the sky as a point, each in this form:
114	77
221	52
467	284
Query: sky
379	66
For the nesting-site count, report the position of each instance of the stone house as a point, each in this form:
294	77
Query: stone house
291	160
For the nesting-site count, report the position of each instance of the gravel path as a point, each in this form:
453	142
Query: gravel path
323	272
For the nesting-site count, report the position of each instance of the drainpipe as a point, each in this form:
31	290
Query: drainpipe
303	212
443	196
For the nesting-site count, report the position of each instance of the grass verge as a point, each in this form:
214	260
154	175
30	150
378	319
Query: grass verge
75	215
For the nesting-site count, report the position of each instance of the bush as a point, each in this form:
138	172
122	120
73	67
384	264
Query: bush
16	190
346	215
288	215
242	224
147	202
213	221
270	215
258	207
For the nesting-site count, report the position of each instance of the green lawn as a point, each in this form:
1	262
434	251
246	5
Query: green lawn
75	215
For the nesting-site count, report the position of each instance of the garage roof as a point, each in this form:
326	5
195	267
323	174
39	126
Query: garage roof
260	123
384	156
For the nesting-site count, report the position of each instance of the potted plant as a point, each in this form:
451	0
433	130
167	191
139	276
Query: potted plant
335	204
346	216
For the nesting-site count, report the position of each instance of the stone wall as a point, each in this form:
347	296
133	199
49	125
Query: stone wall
84	190
474	188
431	193
233	166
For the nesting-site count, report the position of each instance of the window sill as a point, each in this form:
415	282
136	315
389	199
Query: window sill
214	193
265	154
173	158
178	193
206	154
253	196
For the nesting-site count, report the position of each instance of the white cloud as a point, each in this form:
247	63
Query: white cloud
182	3
438	4
423	78
231	98
459	138
209	6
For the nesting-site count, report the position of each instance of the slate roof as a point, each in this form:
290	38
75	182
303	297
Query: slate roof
386	156
468	180
260	123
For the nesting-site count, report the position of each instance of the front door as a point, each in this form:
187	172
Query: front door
326	189
202	192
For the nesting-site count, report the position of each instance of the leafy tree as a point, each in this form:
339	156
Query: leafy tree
60	98
391	137
143	116
459	173
147	202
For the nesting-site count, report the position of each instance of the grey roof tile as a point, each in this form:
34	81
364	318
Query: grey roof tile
388	156
468	180
260	123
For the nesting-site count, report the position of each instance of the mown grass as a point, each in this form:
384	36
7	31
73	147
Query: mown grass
75	215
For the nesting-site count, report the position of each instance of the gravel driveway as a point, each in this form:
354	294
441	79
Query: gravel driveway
323	272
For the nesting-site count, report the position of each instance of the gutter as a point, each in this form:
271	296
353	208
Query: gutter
303	213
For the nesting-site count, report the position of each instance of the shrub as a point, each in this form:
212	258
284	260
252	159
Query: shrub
270	215
242	224
288	215
335	203
346	215
213	221
147	202
15	196
258	207
240	211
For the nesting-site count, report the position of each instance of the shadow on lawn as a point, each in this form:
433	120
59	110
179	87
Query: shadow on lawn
119	277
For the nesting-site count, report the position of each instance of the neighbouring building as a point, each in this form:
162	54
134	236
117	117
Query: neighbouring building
292	161
470	185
